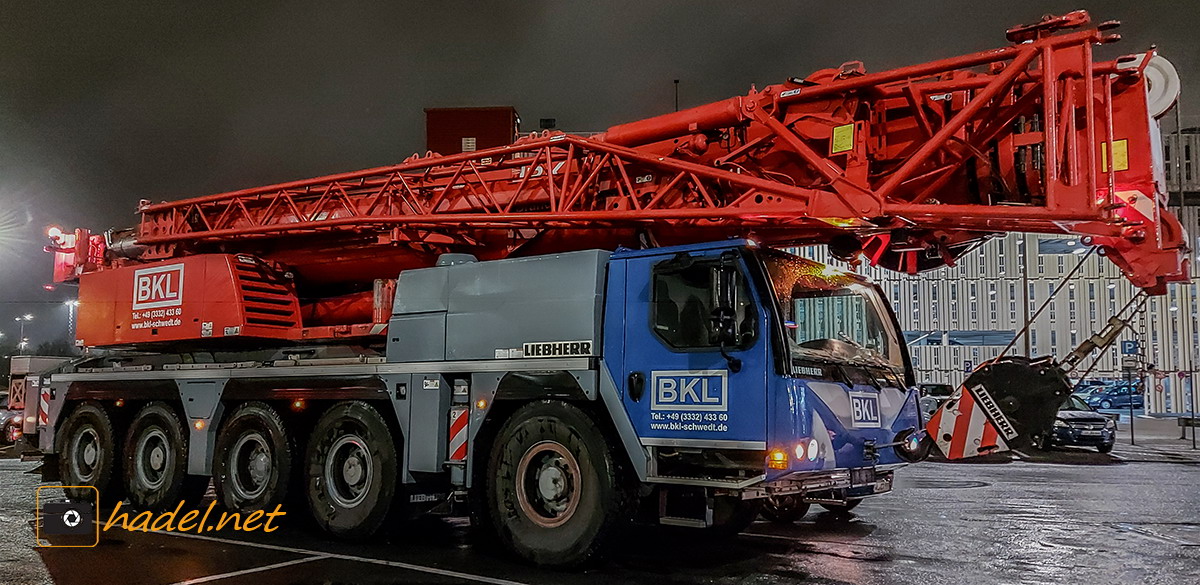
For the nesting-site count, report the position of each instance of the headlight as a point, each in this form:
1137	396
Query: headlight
1059	424
1111	424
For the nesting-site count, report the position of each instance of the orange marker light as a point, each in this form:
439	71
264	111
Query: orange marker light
481	403
199	424
777	459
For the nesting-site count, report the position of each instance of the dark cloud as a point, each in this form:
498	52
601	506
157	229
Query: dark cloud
102	105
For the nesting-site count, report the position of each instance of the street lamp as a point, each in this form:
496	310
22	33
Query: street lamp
24	343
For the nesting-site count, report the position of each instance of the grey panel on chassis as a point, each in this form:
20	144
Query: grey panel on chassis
497	305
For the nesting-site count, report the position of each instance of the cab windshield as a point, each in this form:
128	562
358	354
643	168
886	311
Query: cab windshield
830	314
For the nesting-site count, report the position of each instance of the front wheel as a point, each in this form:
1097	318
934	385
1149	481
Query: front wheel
784	509
842	508
351	472
1107	448
554	491
1106	404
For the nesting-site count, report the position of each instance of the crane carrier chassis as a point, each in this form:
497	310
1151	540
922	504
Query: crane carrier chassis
568	334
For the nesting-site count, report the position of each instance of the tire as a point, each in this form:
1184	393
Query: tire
732	516
555	491
156	449
842	508
1041	443
253	462
1106	404
1105	448
351	470
784	509
88	454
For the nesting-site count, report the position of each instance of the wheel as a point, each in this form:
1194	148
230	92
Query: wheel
554	488
732	515
842	508
88	454
351	470
784	509
1041	442
1105	403
1105	448
253	461
156	449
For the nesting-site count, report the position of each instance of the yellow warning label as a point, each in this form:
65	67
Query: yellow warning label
1120	156
843	139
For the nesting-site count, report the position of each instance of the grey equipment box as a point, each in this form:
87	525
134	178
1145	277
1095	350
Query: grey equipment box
500	308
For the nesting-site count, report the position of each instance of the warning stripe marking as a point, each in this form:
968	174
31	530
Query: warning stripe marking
965	429
458	434
44	407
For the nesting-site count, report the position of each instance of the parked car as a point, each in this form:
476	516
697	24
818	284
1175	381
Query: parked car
1077	424
10	422
1117	396
1086	388
932	396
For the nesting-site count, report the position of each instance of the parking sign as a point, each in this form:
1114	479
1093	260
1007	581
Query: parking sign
1129	347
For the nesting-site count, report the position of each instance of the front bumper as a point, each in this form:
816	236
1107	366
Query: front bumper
1090	438
830	485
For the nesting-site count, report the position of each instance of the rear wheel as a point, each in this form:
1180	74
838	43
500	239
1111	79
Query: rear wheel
88	454
253	459
784	509
156	449
554	491
351	470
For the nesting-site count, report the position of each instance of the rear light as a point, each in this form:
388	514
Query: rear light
777	459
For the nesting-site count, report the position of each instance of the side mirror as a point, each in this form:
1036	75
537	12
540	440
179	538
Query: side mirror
725	303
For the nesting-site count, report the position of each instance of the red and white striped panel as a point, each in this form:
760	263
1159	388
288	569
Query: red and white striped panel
44	407
458	434
962	428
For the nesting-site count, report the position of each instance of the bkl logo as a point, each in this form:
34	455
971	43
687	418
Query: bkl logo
161	286
704	390
864	410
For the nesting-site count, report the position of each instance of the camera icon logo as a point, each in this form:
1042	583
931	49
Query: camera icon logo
62	524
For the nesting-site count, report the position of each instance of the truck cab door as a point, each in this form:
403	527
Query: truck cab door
677	387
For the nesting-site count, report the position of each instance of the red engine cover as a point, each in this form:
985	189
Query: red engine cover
212	295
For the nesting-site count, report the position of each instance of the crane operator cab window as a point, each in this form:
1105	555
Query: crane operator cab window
693	298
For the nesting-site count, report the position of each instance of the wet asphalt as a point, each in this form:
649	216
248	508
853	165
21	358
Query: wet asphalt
1066	517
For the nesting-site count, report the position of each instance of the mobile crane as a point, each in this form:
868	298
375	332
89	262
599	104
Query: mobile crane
566	333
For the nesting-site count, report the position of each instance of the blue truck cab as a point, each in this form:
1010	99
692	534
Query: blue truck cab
748	373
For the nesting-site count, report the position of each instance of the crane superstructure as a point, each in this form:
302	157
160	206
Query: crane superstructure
568	331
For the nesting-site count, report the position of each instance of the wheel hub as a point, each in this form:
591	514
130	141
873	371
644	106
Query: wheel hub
251	465
348	470
548	478
86	448
152	458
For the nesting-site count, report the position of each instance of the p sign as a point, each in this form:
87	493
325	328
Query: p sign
160	286
1129	347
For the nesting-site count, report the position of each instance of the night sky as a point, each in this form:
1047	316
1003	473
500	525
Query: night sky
106	103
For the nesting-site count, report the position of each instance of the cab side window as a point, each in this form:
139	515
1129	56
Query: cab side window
682	302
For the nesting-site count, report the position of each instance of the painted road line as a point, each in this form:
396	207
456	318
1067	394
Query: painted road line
329	555
249	571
